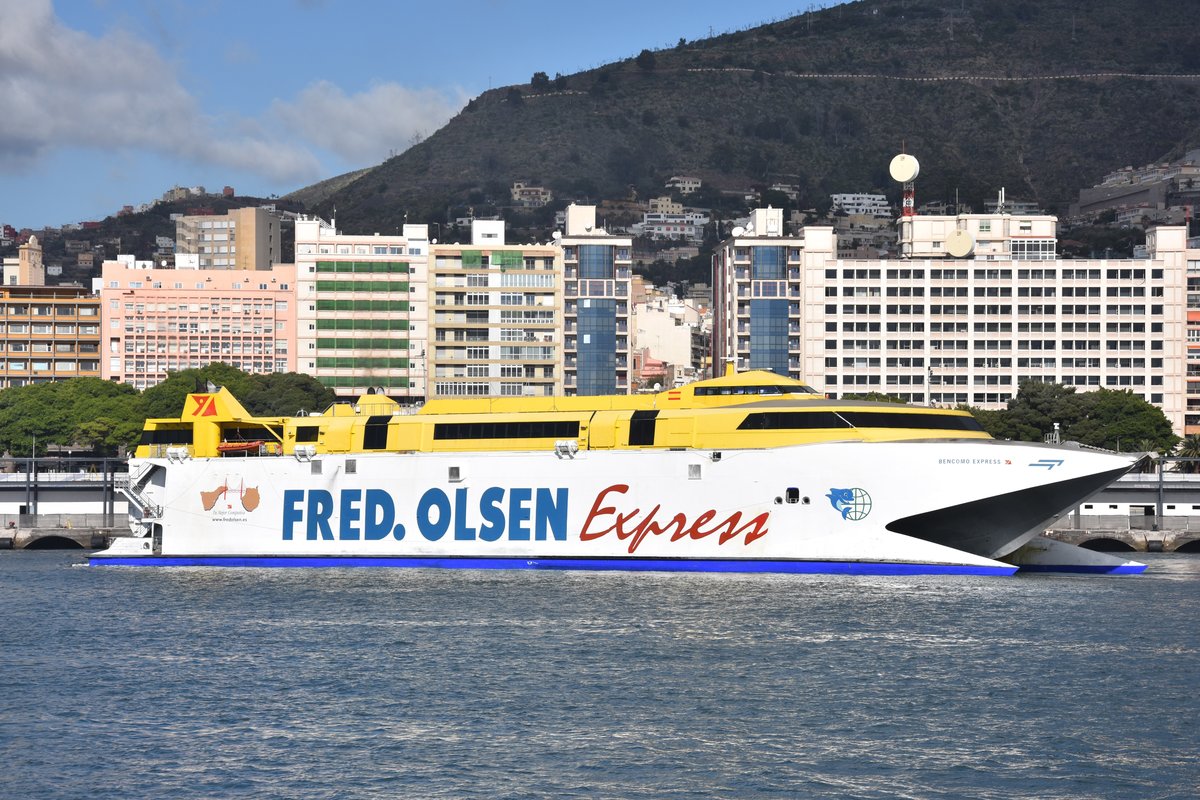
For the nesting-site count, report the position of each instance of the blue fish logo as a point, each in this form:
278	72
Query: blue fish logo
852	504
842	500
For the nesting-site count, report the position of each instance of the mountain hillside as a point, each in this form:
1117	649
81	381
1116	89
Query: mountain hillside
1040	97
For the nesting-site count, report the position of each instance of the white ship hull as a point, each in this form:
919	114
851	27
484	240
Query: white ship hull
929	506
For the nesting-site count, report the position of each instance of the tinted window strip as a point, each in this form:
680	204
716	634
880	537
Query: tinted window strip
791	420
708	391
533	429
941	422
167	436
810	420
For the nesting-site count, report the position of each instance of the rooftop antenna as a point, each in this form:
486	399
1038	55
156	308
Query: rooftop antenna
904	170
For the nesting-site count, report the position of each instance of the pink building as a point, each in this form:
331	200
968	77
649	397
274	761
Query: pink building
155	321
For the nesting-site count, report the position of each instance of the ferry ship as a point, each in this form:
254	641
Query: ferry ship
749	472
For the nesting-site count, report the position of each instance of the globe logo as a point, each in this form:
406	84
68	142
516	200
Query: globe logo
853	504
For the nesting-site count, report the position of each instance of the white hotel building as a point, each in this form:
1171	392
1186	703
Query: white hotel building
933	328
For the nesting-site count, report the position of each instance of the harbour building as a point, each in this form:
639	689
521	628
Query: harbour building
981	304
362	311
495	317
597	272
157	321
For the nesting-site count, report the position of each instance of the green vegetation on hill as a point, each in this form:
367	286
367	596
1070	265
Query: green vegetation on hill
1039	97
975	89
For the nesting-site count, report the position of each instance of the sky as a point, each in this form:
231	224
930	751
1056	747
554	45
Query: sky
105	103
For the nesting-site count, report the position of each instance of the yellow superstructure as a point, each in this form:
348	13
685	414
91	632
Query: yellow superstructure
749	410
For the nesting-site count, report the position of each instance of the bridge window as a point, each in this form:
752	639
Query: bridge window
705	391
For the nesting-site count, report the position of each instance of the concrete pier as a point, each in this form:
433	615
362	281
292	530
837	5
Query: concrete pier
1129	539
58	538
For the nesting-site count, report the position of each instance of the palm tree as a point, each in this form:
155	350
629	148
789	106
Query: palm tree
1189	447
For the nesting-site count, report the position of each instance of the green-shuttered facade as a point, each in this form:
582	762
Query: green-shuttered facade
361	318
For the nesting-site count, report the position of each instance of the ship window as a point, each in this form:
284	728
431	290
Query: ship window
940	422
375	432
454	474
693	472
641	427
807	420
307	433
793	494
351	466
316	467
167	436
703	391
526	429
773	420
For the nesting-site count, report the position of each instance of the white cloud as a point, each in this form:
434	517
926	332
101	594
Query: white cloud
66	88
363	128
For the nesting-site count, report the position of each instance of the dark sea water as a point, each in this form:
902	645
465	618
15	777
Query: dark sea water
362	683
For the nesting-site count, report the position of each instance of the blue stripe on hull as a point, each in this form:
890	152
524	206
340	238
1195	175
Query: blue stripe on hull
1089	569
622	564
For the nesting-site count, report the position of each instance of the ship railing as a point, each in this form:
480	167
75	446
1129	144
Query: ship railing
129	486
169	451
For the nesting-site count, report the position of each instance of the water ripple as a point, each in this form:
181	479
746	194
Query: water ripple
209	683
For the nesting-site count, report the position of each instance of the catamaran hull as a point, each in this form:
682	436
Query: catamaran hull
931	506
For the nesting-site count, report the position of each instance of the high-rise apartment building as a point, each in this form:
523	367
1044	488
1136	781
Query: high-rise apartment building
597	271
363	308
935	328
495	317
243	238
757	296
158	321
